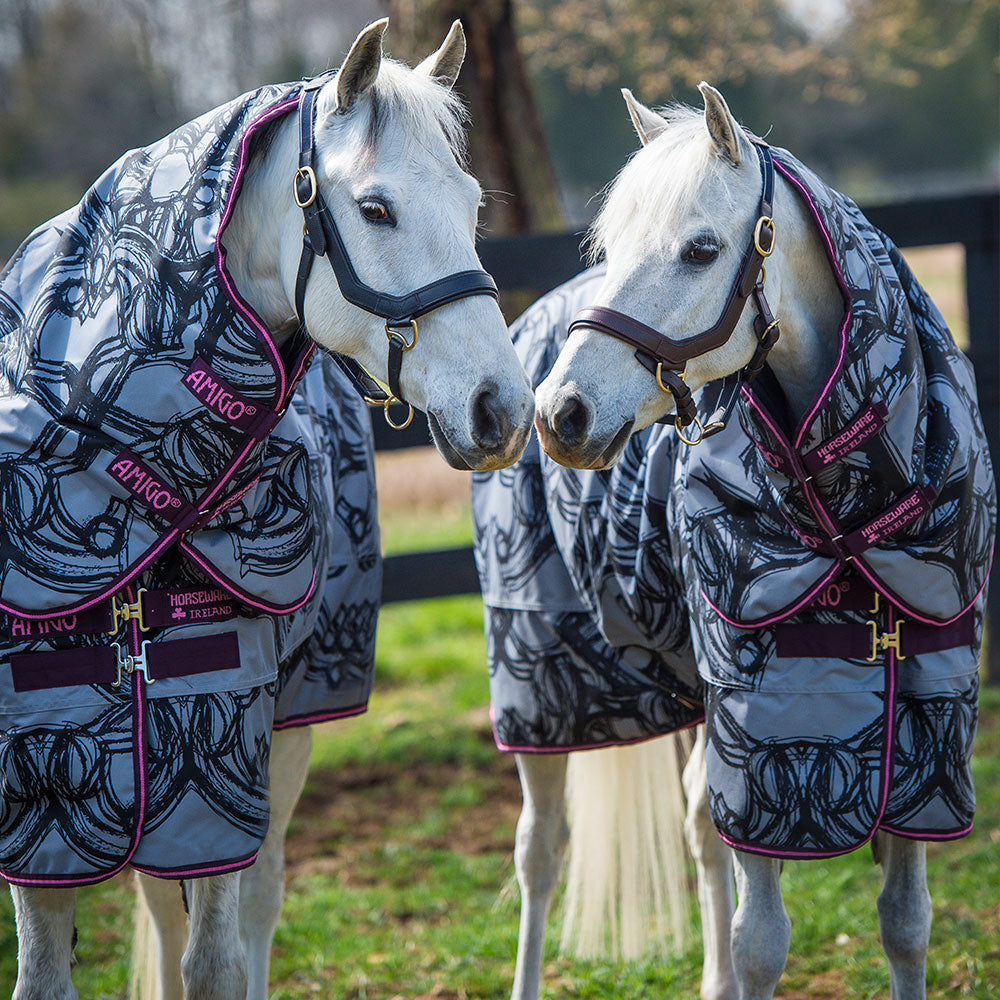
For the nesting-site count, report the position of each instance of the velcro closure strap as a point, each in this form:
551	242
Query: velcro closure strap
221	399
146	486
99	664
915	504
63	668
865	425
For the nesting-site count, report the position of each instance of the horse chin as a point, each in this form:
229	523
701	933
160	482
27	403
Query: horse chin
591	455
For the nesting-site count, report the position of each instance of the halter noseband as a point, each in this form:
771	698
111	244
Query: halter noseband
667	359
320	237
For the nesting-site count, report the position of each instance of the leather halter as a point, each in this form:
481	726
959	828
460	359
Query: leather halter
321	237
667	359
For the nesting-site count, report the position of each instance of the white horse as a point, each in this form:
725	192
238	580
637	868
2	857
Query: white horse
674	230
407	210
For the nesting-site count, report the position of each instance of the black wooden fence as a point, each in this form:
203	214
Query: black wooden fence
537	263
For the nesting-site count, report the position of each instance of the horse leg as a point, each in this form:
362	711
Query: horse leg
262	885
161	934
44	943
214	966
541	839
761	928
904	914
714	867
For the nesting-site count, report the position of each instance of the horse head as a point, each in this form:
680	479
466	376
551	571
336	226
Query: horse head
375	160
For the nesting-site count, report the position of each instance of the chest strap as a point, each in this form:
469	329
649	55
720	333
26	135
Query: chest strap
156	661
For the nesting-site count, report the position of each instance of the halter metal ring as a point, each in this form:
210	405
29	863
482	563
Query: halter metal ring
309	174
702	429
389	420
392	331
659	377
763	221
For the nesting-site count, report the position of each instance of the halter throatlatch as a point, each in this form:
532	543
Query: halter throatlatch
667	359
320	237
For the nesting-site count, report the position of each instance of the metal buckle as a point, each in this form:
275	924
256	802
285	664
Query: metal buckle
129	663
886	641
392	332
310	175
764	220
659	377
126	612
704	430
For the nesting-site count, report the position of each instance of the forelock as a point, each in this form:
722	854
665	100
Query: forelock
657	186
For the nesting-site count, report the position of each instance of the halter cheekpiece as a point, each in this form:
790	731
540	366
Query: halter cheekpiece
667	359
321	237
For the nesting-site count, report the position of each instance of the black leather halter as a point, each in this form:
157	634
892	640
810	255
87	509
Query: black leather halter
667	359
320	237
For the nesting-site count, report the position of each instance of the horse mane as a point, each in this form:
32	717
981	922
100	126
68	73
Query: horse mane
411	100
657	185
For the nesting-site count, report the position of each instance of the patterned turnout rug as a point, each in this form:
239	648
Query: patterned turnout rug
818	592
183	564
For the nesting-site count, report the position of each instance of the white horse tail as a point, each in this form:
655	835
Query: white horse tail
626	888
144	976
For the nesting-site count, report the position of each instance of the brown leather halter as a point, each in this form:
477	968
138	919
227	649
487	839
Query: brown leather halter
667	359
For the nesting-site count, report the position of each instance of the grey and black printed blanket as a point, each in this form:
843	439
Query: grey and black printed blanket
145	443
818	588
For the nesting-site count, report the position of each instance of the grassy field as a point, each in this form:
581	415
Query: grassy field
400	853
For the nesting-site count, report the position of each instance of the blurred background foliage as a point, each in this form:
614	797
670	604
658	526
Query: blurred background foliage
884	97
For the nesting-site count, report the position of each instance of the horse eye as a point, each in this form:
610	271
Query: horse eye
699	253
376	211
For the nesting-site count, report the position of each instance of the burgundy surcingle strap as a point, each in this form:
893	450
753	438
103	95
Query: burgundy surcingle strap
667	358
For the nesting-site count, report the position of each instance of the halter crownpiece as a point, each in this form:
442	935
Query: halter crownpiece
667	359
320	236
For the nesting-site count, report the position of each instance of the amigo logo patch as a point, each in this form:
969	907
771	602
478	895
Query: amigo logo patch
146	485
217	395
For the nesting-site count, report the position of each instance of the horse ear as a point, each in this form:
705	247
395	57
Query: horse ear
722	126
360	68
646	121
444	65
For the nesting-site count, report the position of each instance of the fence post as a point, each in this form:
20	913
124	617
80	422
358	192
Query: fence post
982	267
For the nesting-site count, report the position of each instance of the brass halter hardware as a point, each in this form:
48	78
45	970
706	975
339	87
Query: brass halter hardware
305	173
763	221
659	376
703	430
393	332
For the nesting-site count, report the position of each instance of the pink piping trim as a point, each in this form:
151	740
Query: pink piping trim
128	575
139	779
918	835
784	613
310	720
275	111
889	715
198	872
508	748
845	291
228	584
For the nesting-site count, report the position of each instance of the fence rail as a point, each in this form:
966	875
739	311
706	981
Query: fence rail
538	263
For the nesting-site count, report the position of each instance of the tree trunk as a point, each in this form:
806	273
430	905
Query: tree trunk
508	150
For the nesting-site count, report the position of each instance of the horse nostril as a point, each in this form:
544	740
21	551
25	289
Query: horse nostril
570	421
488	422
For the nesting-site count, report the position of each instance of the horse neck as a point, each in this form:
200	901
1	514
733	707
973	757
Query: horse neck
809	303
258	231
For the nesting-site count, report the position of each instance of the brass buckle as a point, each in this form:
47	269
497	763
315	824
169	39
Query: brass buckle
122	612
659	377
310	175
764	220
130	663
886	640
392	331
703	430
